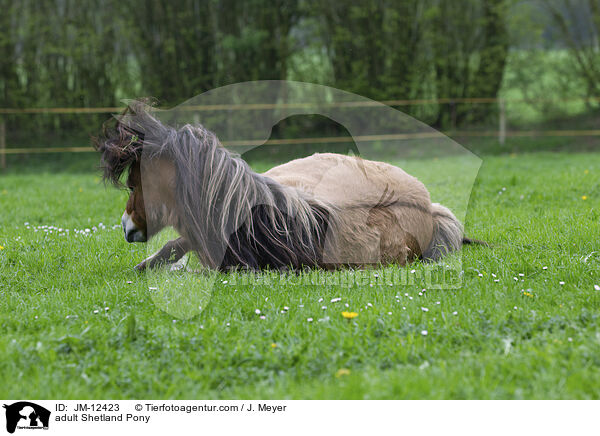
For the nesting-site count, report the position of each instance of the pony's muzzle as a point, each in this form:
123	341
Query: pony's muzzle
132	233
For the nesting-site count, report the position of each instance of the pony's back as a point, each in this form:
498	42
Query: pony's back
383	214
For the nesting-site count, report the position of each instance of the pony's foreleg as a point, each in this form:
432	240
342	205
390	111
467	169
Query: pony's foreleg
170	253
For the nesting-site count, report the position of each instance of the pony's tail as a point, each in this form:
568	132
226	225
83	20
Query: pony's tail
447	233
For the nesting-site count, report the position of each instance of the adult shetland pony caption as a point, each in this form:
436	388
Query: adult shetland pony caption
326	210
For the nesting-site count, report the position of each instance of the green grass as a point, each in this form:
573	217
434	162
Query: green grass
501	343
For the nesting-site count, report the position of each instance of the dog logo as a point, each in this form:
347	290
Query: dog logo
26	415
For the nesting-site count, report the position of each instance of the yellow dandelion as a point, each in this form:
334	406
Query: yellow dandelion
80	189
586	172
1	247
349	315
342	372
4	191
584	197
273	345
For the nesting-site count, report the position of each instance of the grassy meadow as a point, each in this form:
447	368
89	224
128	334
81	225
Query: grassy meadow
79	322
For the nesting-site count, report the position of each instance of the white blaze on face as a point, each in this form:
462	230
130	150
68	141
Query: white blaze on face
132	233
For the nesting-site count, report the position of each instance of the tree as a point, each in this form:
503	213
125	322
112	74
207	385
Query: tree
174	47
469	60
254	39
578	22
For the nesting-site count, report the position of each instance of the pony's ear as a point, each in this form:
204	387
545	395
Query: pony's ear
120	146
124	136
146	104
138	122
135	113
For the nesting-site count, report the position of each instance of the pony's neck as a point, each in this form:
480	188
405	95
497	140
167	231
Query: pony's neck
234	216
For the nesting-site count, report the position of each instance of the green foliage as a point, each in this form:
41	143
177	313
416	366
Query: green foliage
469	60
551	65
578	24
93	53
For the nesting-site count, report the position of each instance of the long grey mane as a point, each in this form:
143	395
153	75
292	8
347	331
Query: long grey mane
231	215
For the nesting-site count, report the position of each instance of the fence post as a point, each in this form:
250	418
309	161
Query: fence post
502	121
2	144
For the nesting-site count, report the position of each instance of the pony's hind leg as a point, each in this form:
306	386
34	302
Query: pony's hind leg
170	253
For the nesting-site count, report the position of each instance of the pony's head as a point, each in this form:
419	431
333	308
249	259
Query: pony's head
121	145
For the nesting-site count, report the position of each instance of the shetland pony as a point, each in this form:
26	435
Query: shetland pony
326	210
